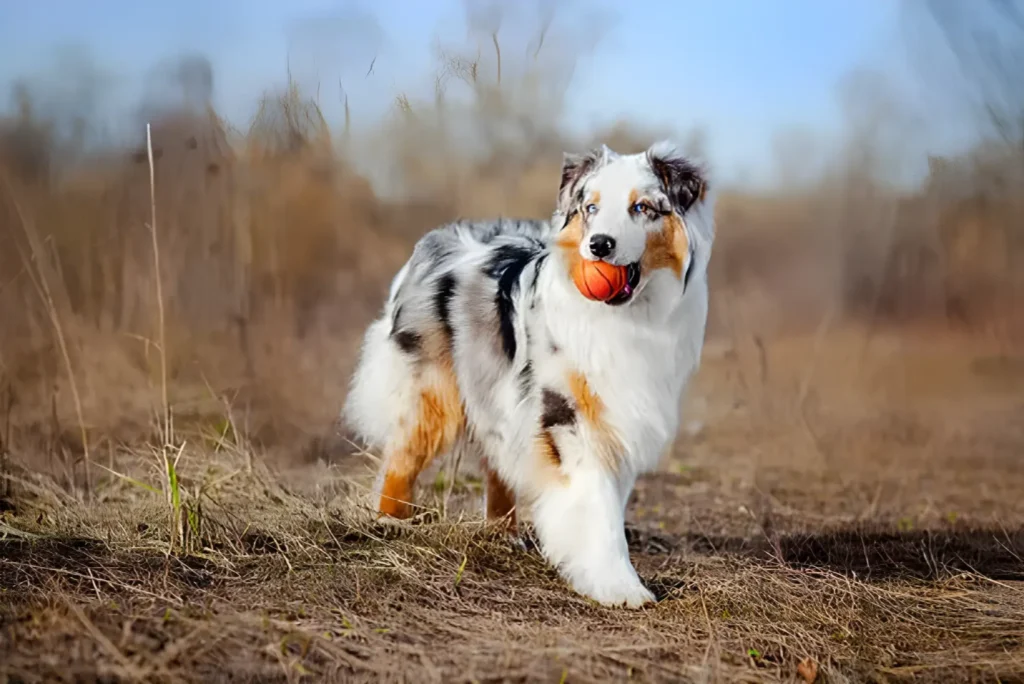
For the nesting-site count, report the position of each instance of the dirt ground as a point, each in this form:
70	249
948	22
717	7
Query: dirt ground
839	507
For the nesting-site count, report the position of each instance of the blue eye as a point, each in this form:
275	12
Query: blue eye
591	208
639	208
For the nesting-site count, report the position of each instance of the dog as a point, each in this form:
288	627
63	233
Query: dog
485	342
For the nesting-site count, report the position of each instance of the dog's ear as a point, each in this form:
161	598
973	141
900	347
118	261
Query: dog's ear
682	180
576	167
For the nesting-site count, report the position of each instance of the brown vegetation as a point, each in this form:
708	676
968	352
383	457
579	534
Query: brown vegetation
179	503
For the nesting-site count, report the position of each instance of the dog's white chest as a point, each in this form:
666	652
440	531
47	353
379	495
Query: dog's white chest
636	375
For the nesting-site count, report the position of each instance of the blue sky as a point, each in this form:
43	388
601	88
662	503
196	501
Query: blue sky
742	69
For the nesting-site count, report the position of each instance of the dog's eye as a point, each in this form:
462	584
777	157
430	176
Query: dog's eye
641	208
591	208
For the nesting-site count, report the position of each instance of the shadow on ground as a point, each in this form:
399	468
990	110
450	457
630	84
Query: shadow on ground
868	553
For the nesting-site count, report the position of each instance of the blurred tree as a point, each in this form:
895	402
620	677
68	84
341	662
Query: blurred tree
986	38
26	143
194	75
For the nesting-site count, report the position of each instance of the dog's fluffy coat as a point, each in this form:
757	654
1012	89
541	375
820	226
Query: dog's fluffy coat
485	342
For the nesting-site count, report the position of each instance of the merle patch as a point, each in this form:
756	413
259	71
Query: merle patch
556	410
505	266
443	301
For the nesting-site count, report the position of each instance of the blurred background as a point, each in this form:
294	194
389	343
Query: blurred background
869	158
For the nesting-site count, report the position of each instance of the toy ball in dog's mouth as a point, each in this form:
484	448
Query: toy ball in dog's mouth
604	282
599	280
629	289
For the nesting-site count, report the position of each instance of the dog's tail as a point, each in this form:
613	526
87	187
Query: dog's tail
381	386
380	381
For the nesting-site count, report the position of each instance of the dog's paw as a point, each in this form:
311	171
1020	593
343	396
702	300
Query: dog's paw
622	589
630	595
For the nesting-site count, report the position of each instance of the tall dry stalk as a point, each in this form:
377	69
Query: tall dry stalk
172	485
161	332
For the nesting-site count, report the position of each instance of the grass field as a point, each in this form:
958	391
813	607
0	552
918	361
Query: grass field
844	502
839	506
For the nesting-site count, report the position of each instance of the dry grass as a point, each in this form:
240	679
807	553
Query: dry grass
178	503
885	544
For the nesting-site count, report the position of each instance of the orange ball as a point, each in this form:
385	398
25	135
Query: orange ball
599	280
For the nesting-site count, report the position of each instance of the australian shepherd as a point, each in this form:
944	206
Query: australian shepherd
486	342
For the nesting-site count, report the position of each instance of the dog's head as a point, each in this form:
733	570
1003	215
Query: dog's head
635	211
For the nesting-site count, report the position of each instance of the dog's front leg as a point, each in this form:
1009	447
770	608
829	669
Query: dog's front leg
581	528
626	483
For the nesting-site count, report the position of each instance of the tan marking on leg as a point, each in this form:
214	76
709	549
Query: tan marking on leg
501	502
440	419
396	495
590	406
666	248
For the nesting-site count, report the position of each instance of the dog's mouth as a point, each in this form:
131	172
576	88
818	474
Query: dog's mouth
632	282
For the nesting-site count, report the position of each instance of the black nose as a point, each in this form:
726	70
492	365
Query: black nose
602	245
